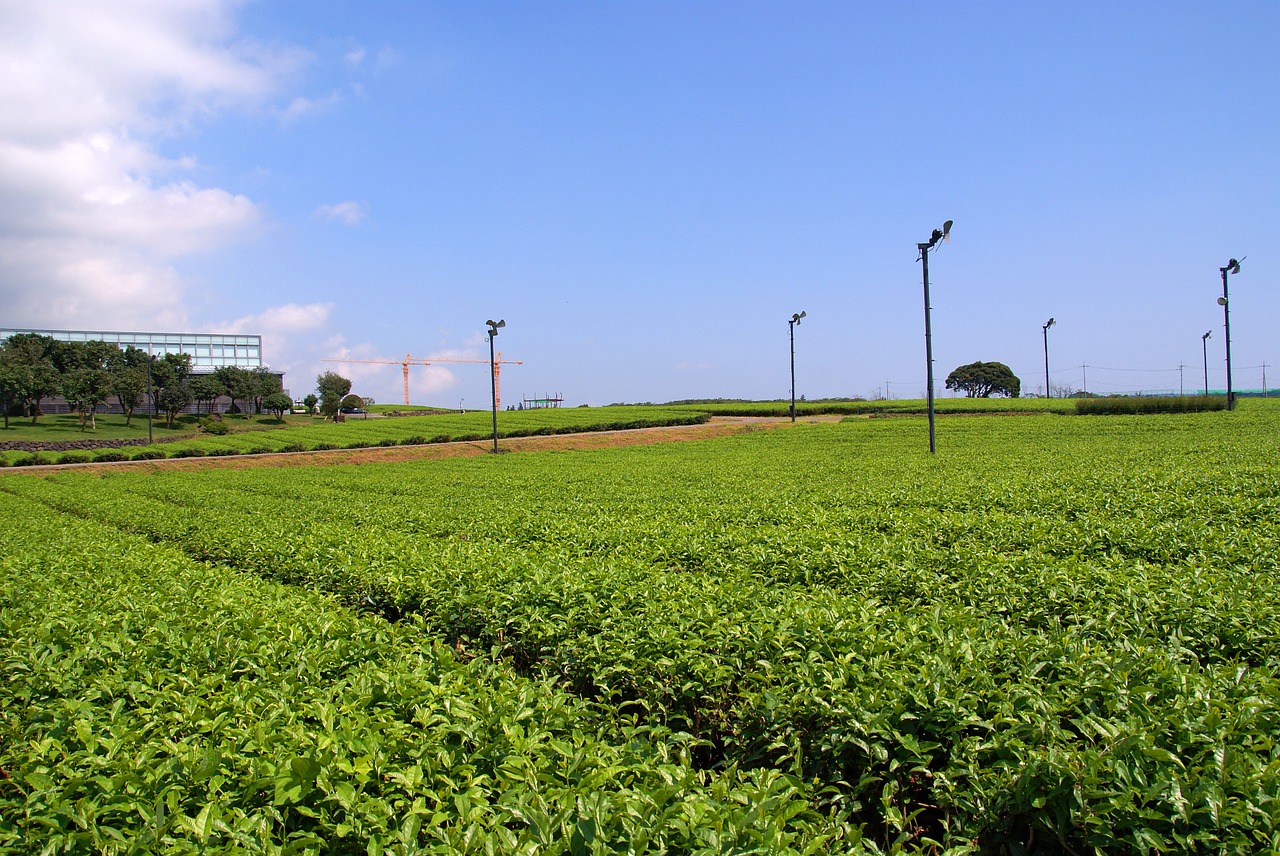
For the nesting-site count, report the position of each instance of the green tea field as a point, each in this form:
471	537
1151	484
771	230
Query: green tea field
1061	634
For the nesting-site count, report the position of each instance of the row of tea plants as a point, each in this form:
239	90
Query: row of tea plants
154	704
1058	634
360	433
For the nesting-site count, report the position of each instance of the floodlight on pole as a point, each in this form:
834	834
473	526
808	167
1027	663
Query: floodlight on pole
1224	301
494	327
1044	328
1204	349
791	326
938	235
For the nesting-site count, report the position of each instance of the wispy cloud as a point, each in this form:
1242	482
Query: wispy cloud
344	212
302	106
290	318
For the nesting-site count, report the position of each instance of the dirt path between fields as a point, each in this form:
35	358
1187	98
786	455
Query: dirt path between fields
719	426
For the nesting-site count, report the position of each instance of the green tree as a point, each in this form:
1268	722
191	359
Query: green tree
278	403
170	392
30	369
206	388
239	383
332	387
129	379
85	380
85	390
351	402
10	387
310	402
983	380
265	382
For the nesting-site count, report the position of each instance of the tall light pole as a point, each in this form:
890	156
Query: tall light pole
943	234
151	405
494	326
791	327
1204	348
1233	266
1044	328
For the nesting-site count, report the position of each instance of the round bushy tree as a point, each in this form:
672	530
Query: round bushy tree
983	380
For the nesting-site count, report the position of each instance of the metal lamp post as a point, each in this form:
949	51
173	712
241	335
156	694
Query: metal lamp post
151	404
1204	348
791	327
494	326
943	234
1044	328
1224	301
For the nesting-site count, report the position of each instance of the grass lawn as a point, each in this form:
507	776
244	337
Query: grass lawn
65	427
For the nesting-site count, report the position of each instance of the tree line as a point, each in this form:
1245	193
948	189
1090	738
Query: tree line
87	375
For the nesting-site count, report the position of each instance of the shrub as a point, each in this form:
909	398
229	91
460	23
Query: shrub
218	453
148	455
189	453
292	447
75	458
1140	404
323	447
441	438
388	441
414	440
30	460
214	427
110	456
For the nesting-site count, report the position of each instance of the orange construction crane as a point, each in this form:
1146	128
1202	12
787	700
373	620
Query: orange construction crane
418	361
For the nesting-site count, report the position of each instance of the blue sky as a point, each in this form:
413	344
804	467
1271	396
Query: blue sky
646	192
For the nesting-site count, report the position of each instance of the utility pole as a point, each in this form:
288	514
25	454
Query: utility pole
942	234
791	328
494	326
1224	301
1204	348
1045	329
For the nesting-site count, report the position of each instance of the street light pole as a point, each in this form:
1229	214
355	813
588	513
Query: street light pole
791	327
1204	348
942	234
1044	328
1224	301
494	326
151	406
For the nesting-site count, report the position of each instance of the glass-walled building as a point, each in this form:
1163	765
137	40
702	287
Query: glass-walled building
208	350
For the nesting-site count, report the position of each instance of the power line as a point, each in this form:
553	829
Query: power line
1106	369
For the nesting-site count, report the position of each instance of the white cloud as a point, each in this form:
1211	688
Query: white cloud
94	216
302	106
354	57
291	340
346	212
290	318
